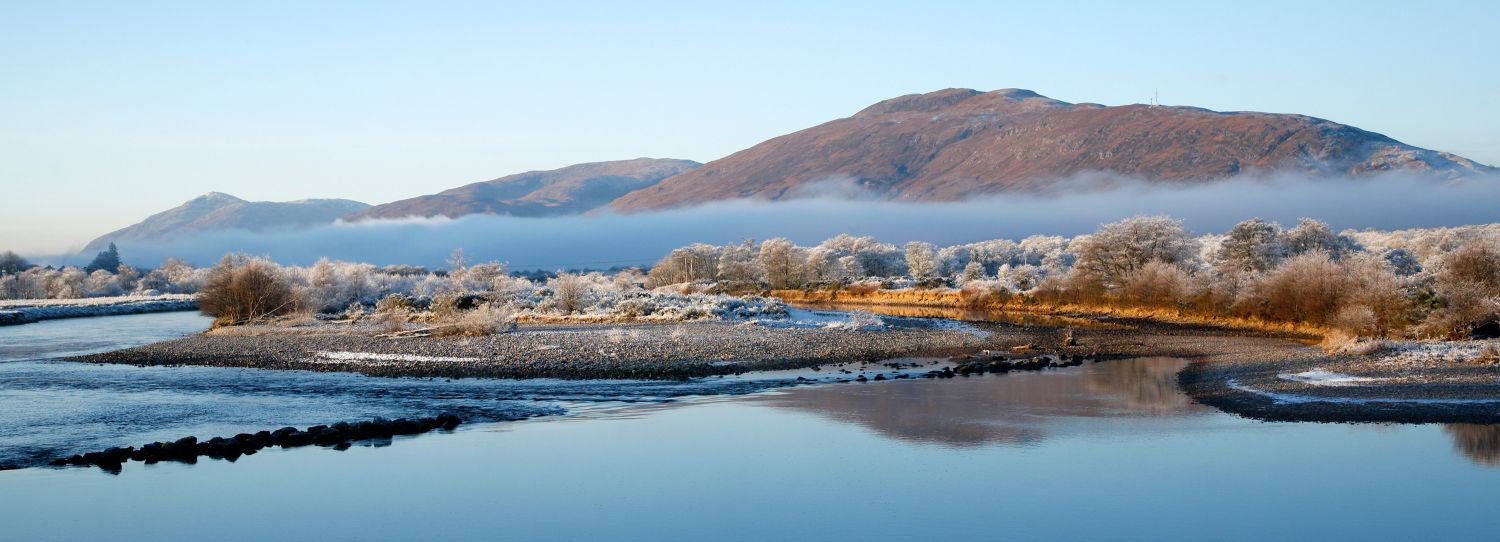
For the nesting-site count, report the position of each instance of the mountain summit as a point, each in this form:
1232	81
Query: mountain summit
216	211
956	143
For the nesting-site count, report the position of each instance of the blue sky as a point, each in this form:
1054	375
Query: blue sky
112	111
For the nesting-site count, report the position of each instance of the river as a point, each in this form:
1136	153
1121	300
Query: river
1101	451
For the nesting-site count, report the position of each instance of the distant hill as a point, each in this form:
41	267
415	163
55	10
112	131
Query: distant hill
216	211
571	190
958	143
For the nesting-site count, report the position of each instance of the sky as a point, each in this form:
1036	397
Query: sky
112	111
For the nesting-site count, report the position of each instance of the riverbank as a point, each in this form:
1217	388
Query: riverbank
25	311
949	299
1254	373
1412	382
566	351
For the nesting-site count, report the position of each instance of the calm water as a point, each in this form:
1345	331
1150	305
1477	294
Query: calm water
1108	451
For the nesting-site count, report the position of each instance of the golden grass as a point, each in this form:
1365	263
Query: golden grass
949	298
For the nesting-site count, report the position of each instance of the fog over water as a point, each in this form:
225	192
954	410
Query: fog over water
1076	206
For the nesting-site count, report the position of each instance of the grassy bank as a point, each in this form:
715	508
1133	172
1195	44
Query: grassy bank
943	298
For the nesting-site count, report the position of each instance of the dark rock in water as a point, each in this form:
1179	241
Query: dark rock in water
450	421
861	378
340	436
880	376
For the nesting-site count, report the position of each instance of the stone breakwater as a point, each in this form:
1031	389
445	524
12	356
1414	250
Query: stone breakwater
26	311
339	436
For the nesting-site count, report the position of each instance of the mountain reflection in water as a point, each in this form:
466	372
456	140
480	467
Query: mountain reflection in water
1020	409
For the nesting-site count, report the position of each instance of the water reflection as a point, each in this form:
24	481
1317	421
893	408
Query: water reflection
1019	409
1479	443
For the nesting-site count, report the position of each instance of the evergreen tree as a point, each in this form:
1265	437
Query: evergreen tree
108	260
11	262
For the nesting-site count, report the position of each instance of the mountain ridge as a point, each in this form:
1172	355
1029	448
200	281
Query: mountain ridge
217	211
953	144
574	189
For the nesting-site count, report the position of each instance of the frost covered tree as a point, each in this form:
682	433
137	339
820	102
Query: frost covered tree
67	284
1312	236
952	260
457	264
737	263
921	261
102	283
823	265
1251	246
694	262
782	262
1119	249
974	271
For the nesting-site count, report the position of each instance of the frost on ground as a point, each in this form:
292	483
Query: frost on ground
1295	398
30	310
333	357
805	319
1429	354
1320	377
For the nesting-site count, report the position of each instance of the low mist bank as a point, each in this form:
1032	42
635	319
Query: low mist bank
1391	201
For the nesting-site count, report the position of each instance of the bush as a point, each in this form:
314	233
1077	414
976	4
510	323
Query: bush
1307	288
570	292
1157	284
242	289
1468	286
484	320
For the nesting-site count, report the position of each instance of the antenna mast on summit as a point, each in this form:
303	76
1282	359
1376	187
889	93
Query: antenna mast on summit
1156	98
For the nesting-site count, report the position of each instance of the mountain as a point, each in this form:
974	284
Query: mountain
571	190
216	211
957	143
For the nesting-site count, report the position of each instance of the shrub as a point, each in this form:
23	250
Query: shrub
241	289
570	292
1157	284
1468	287
487	319
1307	288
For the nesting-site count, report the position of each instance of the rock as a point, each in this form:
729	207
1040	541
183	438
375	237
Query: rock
861	378
880	376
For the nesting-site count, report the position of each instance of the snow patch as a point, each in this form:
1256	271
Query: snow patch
328	357
1320	377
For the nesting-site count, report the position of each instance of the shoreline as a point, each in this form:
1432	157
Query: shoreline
19	312
649	351
1259	374
1347	389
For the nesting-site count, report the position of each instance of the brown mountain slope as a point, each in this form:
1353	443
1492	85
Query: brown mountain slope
952	144
570	190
